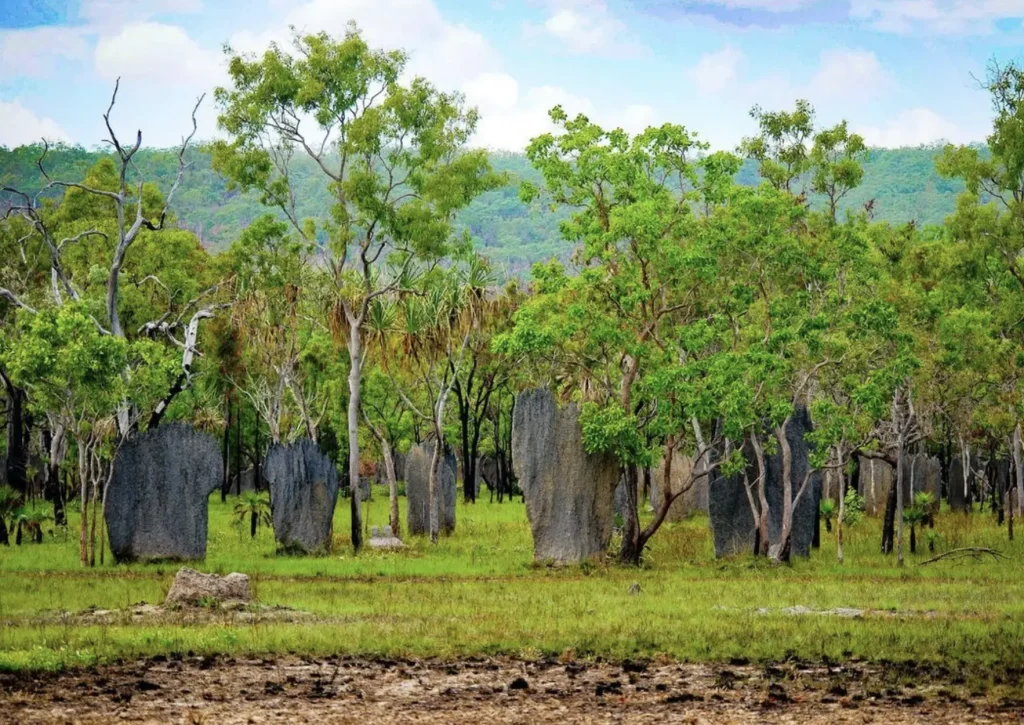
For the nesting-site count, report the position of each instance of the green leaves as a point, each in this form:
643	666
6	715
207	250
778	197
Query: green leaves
607	429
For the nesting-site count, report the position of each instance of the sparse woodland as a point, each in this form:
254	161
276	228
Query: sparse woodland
687	309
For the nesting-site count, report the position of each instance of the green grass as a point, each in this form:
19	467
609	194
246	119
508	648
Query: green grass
478	592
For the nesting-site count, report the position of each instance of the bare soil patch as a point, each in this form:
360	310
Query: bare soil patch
224	691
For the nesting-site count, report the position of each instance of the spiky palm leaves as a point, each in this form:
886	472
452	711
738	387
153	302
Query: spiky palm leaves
254	506
10	501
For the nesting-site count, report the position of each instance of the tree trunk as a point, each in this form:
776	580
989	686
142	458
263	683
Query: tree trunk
238	452
1018	462
900	473
389	470
4	538
226	456
53	441
253	521
631	549
432	491
17	451
83	474
787	492
761	539
468	465
913	539
889	524
354	380
842	505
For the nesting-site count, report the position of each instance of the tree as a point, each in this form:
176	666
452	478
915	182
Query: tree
255	506
391	155
72	371
628	330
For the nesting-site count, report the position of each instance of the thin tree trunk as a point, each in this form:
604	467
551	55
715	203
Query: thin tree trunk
17	451
226	456
354	380
238	452
432	502
785	543
899	503
1018	460
762	495
389	470
842	504
83	553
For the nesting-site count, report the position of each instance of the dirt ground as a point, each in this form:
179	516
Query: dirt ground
220	691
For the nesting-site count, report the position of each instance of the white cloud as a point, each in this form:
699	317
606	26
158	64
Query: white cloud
716	72
156	53
446	53
851	74
585	26
937	16
510	118
106	13
914	127
35	52
21	126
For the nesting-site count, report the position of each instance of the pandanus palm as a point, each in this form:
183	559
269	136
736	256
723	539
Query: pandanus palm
10	501
29	521
255	507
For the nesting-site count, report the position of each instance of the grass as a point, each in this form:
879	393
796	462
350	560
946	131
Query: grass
478	593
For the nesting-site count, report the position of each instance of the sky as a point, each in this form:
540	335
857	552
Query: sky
901	72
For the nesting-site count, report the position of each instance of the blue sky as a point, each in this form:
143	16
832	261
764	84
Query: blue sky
900	71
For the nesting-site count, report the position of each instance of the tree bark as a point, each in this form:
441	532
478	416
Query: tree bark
53	441
787	491
226	456
842	504
632	548
354	381
17	451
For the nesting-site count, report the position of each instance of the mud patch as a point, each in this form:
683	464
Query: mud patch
154	614
349	690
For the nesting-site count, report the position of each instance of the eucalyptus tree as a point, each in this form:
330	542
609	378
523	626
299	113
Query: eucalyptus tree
391	154
434	322
279	317
627	335
114	210
987	229
72	372
481	373
385	413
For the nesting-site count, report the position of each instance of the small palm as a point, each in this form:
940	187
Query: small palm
254	507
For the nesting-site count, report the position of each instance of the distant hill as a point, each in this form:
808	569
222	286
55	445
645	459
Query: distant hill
903	183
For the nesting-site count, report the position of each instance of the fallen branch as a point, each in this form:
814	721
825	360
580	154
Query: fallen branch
971	552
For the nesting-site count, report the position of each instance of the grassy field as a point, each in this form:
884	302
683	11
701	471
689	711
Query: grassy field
478	593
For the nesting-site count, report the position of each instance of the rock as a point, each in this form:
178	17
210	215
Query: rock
303	491
156	506
488	469
876	478
926	475
384	539
193	587
569	493
732	523
958	494
417	490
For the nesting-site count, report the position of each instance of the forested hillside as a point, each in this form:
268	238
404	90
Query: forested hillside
903	183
